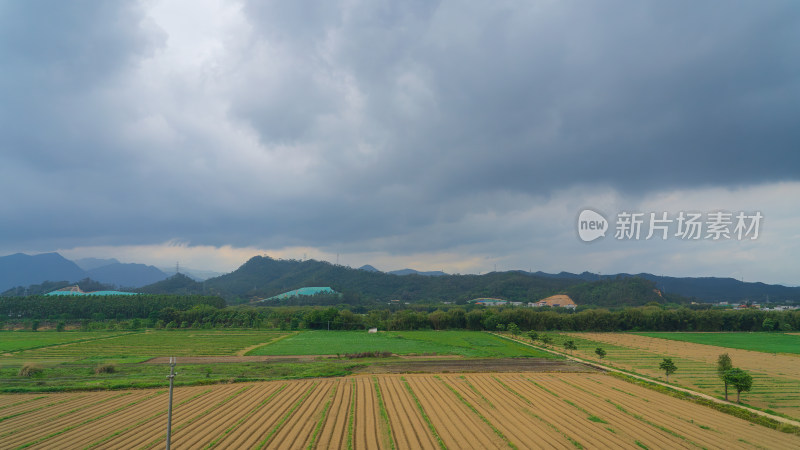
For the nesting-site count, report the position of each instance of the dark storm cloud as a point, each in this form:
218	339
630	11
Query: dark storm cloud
530	96
385	126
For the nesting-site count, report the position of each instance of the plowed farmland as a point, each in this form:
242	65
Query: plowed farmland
508	410
776	377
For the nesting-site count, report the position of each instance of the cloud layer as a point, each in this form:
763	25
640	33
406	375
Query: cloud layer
405	132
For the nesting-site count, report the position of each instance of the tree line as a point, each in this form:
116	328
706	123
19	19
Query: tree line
207	311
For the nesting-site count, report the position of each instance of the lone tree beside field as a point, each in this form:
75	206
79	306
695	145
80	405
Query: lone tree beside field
546	340
514	329
533	335
600	352
668	367
724	364
570	345
740	380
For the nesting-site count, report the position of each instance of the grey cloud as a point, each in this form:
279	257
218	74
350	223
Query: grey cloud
407	120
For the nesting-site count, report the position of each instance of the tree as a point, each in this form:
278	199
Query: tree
724	364
570	345
533	335
514	329
740	380
600	352
546	340
668	367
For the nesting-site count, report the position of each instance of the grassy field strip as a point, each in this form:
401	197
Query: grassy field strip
179	427
386	424
424	415
141	422
322	416
286	417
87	421
50	416
772	388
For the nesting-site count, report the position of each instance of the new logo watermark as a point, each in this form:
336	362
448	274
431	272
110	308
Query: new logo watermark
718	225
591	225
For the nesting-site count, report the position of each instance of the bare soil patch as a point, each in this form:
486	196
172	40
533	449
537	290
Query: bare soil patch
232	359
477	365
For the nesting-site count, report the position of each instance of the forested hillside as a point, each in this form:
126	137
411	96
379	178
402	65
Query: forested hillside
263	277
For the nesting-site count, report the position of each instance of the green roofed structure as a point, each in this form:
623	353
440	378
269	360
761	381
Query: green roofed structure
303	291
75	290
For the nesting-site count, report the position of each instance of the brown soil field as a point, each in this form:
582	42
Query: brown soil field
776	383
471	410
478	365
783	365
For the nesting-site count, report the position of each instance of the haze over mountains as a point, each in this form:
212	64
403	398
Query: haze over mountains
263	277
23	270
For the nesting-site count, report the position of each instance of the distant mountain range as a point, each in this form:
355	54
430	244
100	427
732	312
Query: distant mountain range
25	270
265	277
435	273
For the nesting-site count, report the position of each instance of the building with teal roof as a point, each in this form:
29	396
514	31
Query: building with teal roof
70	291
303	291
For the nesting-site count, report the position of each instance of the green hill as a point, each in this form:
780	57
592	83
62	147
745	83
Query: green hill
264	277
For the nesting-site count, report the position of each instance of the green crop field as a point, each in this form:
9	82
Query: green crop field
139	346
464	343
759	342
13	341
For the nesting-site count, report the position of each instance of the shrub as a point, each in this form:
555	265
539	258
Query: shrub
30	370
375	354
105	368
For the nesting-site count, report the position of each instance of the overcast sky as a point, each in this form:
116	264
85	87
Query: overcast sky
455	136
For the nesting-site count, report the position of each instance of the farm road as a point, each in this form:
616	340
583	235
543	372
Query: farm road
689	391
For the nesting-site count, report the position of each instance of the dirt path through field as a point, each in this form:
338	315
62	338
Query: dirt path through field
689	391
245	350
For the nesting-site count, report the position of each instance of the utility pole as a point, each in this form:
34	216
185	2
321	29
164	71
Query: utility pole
171	377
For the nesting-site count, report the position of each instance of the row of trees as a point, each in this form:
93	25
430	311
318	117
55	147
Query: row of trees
730	376
187	311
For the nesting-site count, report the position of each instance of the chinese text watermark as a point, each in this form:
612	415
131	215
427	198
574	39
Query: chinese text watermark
713	226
